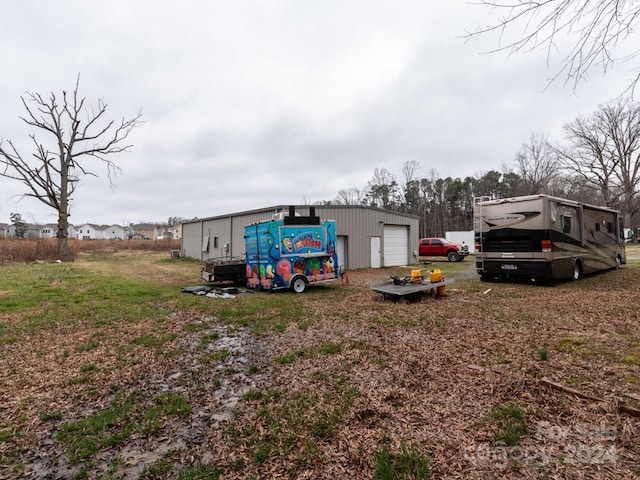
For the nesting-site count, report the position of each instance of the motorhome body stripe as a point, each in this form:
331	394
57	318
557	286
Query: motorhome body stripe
509	219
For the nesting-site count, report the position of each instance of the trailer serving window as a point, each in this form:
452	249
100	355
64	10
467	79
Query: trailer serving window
566	224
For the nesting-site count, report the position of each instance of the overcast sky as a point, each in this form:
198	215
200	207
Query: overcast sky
254	103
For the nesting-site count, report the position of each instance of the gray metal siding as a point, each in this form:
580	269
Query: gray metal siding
356	223
220	229
192	240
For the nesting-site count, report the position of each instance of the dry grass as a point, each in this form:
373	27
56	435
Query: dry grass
360	374
20	250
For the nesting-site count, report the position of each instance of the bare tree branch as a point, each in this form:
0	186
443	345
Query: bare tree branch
604	151
52	175
537	165
597	28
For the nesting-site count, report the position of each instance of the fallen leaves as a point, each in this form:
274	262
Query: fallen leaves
361	371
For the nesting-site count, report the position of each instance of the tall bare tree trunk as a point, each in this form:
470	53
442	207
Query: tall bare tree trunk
80	138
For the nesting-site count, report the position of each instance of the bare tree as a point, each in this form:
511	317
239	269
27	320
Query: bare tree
77	134
382	189
622	120
586	156
537	165
597	29
408	196
604	151
409	169
350	196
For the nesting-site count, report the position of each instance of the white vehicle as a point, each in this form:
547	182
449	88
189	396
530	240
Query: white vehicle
627	235
539	237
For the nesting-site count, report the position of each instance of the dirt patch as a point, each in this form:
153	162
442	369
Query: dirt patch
213	385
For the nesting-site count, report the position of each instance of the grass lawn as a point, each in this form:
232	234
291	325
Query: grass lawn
109	371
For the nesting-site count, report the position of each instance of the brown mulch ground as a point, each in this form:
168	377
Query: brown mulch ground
427	374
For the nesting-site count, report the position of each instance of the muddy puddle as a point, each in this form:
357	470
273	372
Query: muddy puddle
215	367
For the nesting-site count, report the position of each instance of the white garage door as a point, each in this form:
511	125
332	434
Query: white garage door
396	245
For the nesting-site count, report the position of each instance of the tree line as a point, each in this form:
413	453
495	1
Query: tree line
597	162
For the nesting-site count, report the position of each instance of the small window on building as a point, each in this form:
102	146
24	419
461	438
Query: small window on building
566	224
215	242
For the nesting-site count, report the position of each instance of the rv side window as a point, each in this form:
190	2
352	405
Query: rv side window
597	227
566	224
610	227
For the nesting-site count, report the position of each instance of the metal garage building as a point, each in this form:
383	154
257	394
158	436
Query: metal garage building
367	236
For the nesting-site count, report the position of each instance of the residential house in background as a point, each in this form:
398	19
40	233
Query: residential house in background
92	231
48	231
115	232
168	232
33	231
143	231
175	231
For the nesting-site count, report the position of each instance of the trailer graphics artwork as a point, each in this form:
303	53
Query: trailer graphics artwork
540	237
283	255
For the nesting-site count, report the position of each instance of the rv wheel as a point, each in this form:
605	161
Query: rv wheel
298	285
577	270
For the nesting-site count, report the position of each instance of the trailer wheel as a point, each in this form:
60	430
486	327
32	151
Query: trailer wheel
577	270
453	256
299	285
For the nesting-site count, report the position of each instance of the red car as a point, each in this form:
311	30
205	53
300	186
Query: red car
441	247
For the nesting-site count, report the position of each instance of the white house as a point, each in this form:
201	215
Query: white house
90	231
114	232
48	231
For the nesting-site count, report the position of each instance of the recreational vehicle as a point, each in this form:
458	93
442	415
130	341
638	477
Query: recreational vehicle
539	237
